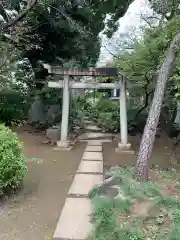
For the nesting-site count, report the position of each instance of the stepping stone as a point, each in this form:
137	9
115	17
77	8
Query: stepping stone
94	142
93	128
92	156
90	167
83	183
74	222
92	135
93	149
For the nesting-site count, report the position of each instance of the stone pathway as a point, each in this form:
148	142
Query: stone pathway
75	220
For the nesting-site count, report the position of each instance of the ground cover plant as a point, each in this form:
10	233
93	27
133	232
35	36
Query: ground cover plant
149	210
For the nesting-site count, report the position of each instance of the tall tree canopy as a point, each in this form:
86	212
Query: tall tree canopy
58	31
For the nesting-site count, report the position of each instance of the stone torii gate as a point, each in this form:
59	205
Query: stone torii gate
68	84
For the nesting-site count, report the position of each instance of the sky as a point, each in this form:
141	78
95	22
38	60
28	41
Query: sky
129	24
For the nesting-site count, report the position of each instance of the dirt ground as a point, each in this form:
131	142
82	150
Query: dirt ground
33	213
161	157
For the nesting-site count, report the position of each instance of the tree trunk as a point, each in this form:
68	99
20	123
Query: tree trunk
148	137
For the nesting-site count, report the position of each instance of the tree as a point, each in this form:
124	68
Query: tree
166	8
11	22
148	137
61	31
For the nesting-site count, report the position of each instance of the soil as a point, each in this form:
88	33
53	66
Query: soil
33	212
161	156
141	209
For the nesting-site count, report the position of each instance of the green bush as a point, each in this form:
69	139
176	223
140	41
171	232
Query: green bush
14	106
79	109
12	161
106	114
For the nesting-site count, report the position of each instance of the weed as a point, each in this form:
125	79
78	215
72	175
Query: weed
177	186
114	219
94	192
170	174
104	217
131	234
175	234
168	201
133	188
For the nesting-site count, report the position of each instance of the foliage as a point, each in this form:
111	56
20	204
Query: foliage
79	108
52	26
167	8
122	217
7	62
132	188
141	66
104	218
12	161
105	112
58	32
14	106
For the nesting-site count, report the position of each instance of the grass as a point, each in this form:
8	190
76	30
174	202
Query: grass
118	219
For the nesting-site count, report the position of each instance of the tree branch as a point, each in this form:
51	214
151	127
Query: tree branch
20	16
112	54
3	13
147	22
147	94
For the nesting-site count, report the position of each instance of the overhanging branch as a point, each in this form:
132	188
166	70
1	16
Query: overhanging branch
20	16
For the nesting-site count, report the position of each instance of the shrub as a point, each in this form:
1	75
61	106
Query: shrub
12	161
14	106
79	109
106	115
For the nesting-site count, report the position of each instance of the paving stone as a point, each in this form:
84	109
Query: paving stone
93	149
74	222
92	135
83	183
94	142
93	128
90	167
92	156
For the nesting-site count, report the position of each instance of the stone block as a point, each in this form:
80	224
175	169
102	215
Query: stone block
93	128
93	149
63	144
90	167
53	133
83	183
37	112
124	149
92	156
75	220
94	142
94	135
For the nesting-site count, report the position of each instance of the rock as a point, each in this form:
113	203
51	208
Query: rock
37	113
53	133
46	141
54	114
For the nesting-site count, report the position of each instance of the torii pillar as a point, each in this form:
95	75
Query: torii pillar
64	143
123	146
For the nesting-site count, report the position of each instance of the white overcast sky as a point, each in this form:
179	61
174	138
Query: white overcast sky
130	24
